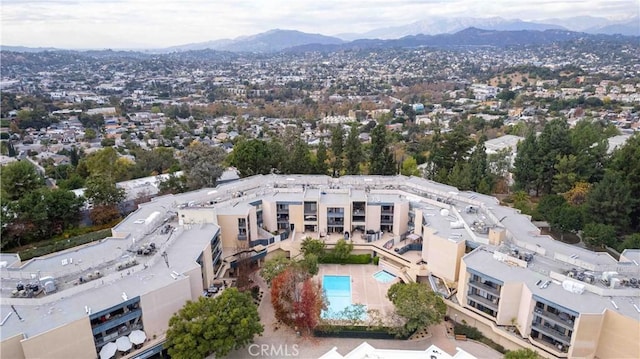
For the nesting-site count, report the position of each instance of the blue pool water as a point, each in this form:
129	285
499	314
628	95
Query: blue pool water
384	277
338	291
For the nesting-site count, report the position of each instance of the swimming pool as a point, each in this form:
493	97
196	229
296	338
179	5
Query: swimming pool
384	277
338	291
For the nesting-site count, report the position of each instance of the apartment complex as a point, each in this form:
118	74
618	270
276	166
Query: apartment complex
491	264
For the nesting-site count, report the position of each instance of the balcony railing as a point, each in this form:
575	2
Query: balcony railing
487	288
484	301
557	335
116	321
242	237
555	319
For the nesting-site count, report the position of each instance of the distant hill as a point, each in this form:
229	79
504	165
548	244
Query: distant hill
629	28
442	25
26	49
468	37
270	41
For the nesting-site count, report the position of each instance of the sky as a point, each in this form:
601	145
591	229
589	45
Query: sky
138	24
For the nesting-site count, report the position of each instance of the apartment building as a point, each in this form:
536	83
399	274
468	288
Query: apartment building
489	262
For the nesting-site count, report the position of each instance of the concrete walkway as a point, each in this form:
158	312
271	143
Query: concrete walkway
278	341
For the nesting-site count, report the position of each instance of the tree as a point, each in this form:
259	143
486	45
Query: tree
253	157
611	201
599	235
353	152
418	305
625	161
273	267
577	195
309	264
549	206
631	242
499	164
460	176
320	166
108	163
525	164
521	354
410	167
380	158
299	160
312	246
337	148
342	249
552	144
173	184
154	162
213	326
566	175
19	178
297	299
202	165
478	167
102	190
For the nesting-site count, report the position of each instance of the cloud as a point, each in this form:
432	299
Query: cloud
156	23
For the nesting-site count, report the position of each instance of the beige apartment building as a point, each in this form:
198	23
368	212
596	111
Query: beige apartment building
489	262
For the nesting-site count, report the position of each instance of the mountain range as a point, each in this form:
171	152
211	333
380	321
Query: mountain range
277	40
447	25
434	31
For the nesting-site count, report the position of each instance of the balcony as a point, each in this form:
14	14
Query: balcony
550	332
283	219
563	321
486	288
242	237
484	301
282	210
310	211
117	321
386	220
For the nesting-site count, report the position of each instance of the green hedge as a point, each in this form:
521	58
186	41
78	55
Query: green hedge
62	244
356	331
352	259
376	260
474	334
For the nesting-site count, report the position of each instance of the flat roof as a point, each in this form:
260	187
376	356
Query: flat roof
185	243
481	260
45	313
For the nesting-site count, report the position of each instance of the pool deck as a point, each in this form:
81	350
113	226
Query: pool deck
278	337
365	289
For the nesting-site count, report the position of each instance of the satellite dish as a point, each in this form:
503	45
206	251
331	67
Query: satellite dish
444	212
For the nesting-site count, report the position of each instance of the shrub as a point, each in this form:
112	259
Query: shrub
469	332
376	260
351	259
62	244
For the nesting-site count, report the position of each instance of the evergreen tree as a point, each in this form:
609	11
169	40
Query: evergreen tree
524	167
300	160
552	144
478	164
610	201
337	149
321	159
380	159
353	152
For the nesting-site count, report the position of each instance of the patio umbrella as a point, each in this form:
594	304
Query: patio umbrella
137	337
108	350
124	344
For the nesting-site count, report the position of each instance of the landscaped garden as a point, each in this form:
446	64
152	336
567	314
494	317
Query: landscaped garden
315	297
